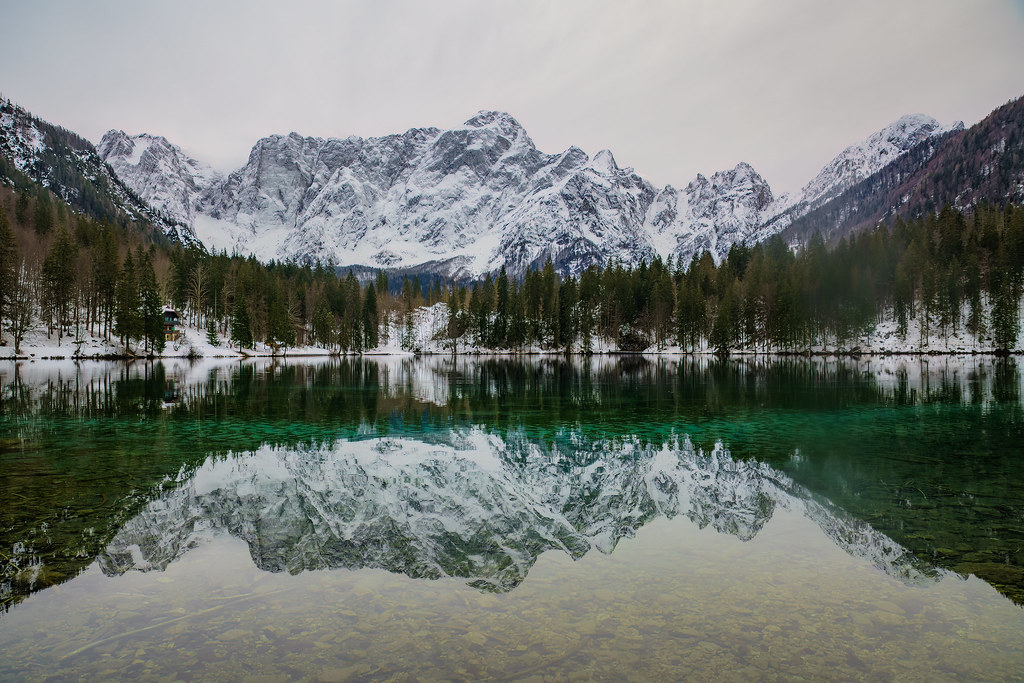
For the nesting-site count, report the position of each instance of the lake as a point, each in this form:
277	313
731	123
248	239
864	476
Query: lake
616	518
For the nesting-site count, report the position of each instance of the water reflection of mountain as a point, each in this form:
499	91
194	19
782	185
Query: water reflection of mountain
470	504
85	448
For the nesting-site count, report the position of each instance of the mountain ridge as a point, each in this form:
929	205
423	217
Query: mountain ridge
472	199
961	167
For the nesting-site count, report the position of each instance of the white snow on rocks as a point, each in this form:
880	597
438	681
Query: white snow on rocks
472	199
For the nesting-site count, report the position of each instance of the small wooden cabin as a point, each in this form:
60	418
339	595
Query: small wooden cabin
171	332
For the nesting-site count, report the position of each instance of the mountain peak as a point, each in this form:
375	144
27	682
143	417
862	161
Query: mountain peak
864	158
158	170
908	130
604	162
118	144
742	171
503	121
114	134
910	120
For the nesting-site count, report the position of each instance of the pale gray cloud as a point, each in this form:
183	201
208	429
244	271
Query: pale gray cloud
672	88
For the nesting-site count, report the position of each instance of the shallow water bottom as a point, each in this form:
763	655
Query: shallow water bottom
675	602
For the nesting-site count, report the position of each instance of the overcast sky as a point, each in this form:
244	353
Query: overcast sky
673	88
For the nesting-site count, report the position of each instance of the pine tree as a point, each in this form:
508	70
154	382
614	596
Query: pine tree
8	272
589	295
370	322
151	308
105	277
323	324
280	332
127	319
548	331
499	332
21	206
972	293
352	320
408	296
241	329
211	332
662	302
456	318
723	331
1005	295
903	296
59	280
43	216
567	320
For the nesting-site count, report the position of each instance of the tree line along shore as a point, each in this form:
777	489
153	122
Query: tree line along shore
948	275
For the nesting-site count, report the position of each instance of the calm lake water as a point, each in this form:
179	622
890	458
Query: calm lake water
498	519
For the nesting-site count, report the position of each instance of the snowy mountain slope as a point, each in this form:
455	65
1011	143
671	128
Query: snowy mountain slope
470	504
164	176
482	195
858	161
982	163
70	167
473	199
854	164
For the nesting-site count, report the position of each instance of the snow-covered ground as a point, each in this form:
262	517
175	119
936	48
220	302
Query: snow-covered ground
427	334
429	325
192	343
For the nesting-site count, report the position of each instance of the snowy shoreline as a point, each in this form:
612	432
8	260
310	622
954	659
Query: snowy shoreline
426	336
738	354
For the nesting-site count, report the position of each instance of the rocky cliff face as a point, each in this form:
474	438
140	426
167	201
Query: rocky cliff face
162	175
473	199
710	214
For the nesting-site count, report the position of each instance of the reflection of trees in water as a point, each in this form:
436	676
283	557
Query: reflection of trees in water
359	389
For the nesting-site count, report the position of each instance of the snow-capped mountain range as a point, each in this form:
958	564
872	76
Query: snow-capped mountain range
472	199
471	504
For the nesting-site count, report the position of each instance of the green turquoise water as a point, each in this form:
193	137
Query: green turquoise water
545	519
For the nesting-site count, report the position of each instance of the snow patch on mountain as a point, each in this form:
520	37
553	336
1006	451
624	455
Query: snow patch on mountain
22	140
